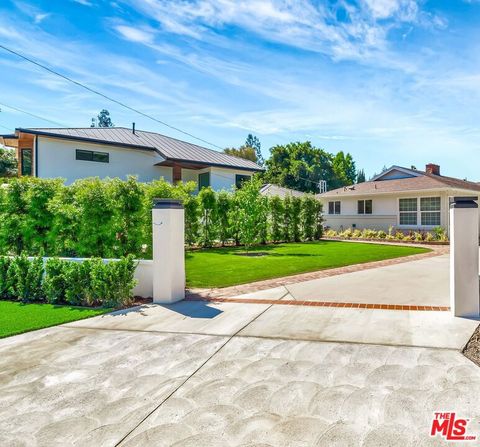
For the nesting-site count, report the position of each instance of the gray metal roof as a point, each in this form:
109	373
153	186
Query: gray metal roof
170	148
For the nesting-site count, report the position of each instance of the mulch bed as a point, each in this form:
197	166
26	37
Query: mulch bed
472	349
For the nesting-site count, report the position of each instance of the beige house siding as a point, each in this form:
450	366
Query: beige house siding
385	210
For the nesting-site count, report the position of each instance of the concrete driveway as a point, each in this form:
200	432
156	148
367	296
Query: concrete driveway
424	282
206	374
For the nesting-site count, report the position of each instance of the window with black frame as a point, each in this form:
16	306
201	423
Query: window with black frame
100	157
364	207
240	178
334	207
26	155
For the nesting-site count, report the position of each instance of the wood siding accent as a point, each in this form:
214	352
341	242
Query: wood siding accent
25	141
177	173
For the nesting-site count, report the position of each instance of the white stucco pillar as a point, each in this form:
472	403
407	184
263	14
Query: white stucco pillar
464	278
168	222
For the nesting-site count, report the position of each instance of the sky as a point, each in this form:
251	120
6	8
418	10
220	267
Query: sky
390	81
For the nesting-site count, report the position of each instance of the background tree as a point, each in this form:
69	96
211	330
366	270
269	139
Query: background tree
8	162
344	170
301	166
298	166
253	142
361	176
103	119
245	152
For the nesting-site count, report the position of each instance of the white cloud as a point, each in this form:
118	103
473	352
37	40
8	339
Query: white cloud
405	10
135	34
39	18
83	2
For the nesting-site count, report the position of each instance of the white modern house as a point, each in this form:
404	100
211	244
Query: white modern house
75	153
403	198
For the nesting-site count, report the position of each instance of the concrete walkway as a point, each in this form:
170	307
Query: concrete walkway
229	374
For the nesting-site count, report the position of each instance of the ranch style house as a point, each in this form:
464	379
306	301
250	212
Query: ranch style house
402	198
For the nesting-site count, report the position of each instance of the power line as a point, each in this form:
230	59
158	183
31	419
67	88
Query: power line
96	92
5	127
32	114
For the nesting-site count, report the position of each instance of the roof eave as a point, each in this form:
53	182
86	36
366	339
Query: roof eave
217	165
86	139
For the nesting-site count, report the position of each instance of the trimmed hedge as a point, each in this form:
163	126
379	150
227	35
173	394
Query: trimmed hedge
112	218
56	281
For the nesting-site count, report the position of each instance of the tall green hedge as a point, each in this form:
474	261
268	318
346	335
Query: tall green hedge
112	218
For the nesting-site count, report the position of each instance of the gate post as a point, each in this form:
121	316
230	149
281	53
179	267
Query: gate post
464	277
168	221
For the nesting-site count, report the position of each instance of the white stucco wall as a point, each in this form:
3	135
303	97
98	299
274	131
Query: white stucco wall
221	178
56	158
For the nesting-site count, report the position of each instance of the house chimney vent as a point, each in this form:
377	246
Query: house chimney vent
133	128
432	168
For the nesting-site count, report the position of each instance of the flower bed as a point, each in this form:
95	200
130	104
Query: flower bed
435	237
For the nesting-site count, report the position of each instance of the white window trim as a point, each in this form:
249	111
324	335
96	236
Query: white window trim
419	213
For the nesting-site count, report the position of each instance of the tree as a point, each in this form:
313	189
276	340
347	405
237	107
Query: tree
299	166
8	162
344	170
361	176
245	152
103	119
251	212
253	142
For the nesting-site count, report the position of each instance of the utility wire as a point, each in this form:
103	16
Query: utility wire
32	114
5	127
96	92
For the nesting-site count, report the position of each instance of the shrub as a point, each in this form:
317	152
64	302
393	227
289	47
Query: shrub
440	234
5	262
208	207
356	233
399	235
331	233
287	217
308	217
111	283
55	281
294	220
318	220
429	237
250	212
77	278
223	216
347	234
417	236
25	278
277	212
381	234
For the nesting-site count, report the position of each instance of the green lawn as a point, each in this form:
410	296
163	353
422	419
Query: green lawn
222	267
16	318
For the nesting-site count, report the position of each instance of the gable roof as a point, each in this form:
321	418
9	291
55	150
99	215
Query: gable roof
422	181
171	149
397	172
270	189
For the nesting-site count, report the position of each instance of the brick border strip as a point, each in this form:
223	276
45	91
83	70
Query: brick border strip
322	304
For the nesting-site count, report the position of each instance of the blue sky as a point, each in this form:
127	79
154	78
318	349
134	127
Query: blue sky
390	81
